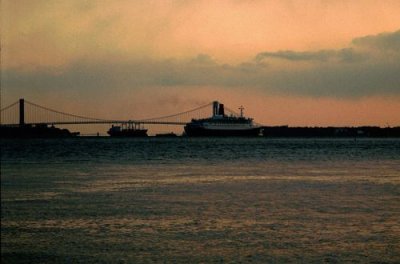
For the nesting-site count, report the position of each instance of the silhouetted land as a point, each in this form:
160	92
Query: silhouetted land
37	131
364	131
44	131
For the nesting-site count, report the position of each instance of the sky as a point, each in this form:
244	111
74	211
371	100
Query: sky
288	62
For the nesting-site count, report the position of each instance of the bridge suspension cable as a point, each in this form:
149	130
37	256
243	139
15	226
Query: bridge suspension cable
237	115
9	114
66	114
33	113
37	114
176	115
231	111
9	106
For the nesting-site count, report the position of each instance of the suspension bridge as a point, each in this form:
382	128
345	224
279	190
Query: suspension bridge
26	113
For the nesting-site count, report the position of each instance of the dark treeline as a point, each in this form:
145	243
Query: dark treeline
363	131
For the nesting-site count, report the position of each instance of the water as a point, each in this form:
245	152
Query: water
180	200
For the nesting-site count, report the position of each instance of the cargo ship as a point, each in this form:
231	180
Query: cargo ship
222	125
127	130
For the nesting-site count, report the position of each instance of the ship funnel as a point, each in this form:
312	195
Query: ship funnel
215	108
221	110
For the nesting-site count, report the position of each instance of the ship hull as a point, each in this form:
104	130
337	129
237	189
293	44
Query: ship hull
204	132
129	133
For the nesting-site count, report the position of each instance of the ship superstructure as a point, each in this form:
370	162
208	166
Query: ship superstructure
220	124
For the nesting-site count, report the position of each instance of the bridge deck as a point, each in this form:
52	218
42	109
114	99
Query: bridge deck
105	122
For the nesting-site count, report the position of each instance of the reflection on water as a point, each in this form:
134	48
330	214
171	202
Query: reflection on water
200	200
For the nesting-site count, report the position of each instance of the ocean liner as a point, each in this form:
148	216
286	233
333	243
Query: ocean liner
223	125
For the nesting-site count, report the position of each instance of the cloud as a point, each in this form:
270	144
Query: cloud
362	48
341	55
321	55
382	42
362	69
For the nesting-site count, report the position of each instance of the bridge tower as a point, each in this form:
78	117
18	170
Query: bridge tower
21	112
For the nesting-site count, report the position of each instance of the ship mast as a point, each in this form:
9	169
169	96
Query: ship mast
241	108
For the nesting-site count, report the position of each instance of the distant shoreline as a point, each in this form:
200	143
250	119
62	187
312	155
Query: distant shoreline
334	132
266	131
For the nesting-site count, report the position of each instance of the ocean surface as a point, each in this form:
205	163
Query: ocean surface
200	200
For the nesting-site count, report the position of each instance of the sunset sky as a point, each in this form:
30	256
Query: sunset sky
311	63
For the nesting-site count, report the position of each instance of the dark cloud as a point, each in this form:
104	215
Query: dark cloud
351	55
342	55
348	81
375	43
203	59
321	55
383	41
347	72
